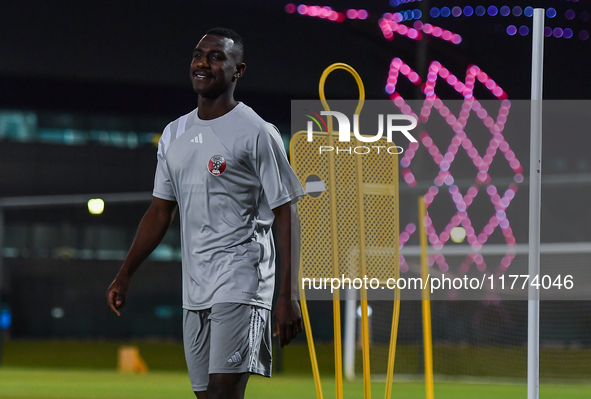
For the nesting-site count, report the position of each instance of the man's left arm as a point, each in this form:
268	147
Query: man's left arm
288	316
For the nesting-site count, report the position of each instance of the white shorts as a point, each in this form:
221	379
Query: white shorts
228	338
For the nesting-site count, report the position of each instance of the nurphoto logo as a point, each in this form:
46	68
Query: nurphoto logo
345	132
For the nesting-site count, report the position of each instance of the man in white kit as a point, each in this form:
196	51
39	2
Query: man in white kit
226	170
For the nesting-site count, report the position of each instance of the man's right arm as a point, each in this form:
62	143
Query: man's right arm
151	231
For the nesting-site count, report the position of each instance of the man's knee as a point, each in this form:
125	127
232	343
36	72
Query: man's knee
227	386
201	394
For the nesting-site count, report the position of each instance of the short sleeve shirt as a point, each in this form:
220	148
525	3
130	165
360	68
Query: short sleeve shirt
226	174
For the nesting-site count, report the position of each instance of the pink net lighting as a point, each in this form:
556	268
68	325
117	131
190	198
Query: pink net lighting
391	26
444	158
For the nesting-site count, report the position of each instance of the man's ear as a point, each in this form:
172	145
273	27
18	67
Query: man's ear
240	68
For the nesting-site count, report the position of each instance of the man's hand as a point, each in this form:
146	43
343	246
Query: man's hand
116	293
288	320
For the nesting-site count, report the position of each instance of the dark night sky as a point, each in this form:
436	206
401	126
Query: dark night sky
133	56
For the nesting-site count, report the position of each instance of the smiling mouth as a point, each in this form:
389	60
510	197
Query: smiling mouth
200	75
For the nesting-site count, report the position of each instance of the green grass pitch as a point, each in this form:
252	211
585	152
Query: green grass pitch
32	383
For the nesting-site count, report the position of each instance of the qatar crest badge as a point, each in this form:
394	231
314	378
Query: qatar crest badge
216	165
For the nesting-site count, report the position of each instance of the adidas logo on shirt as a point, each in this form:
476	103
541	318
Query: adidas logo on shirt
236	358
197	139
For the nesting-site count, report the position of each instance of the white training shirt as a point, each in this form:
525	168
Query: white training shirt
226	174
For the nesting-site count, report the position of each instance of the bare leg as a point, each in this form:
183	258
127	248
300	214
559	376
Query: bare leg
226	386
201	394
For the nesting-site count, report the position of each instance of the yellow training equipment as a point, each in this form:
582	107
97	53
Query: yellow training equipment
350	228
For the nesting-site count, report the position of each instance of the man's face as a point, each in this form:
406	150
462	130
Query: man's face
215	66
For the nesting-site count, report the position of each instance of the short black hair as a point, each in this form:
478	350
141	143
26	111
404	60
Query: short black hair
230	34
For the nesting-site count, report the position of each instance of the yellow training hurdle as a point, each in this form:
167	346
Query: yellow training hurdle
350	229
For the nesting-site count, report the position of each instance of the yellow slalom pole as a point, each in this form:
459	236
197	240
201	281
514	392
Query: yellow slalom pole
363	294
365	345
393	334
336	299
427	339
393	340
338	351
310	339
396	311
334	217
